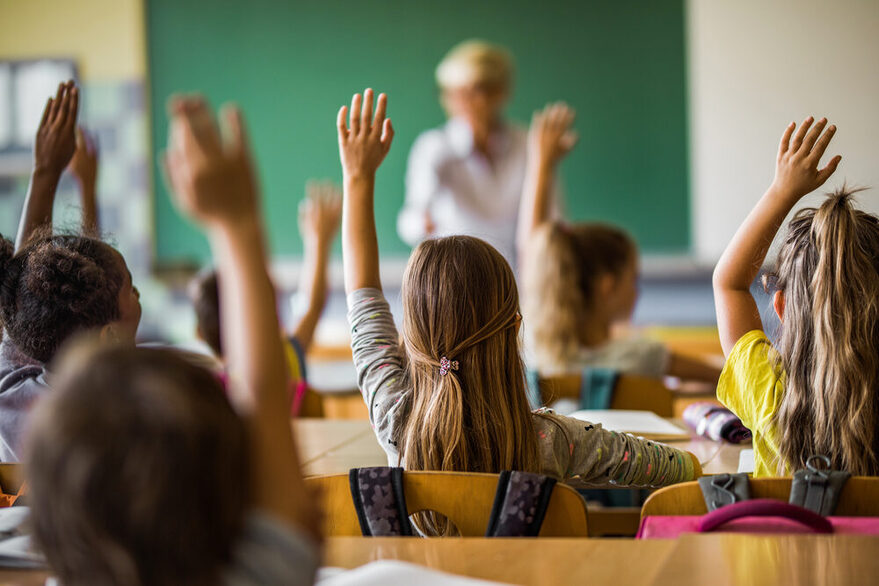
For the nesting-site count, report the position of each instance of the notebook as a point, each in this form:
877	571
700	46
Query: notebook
644	424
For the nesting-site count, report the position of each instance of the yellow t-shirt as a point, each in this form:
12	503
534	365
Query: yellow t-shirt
752	387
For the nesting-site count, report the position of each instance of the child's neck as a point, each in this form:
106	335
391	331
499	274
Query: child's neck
596	331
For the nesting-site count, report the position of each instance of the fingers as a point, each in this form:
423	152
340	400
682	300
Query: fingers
380	112
356	103
784	145
72	107
234	129
387	135
46	111
340	123
367	110
569	140
801	133
821	144
812	135
200	131
56	103
825	173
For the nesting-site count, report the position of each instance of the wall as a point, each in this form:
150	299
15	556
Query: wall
755	66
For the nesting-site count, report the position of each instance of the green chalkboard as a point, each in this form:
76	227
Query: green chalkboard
291	64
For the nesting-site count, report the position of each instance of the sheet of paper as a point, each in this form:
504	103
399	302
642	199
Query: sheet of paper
746	461
387	572
642	423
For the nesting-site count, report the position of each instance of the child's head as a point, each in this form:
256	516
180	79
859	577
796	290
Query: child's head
460	303
58	285
475	79
828	301
205	294
575	275
137	466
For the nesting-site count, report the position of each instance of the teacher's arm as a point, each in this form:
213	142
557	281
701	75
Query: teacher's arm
414	223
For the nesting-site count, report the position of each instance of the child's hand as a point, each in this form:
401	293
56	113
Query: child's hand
796	170
211	176
363	146
550	137
55	141
84	164
320	212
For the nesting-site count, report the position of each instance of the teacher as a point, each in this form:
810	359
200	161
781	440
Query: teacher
466	177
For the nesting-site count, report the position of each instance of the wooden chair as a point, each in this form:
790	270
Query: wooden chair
465	498
10	478
859	497
630	392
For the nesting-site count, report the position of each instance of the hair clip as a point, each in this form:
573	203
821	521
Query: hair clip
446	365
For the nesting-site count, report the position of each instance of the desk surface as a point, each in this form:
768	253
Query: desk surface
336	446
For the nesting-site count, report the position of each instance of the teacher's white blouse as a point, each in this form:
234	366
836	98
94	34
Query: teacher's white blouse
461	190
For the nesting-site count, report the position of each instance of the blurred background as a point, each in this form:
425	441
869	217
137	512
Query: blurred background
680	106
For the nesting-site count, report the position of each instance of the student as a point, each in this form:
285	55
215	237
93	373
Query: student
319	216
581	279
814	391
53	286
450	395
466	176
166	483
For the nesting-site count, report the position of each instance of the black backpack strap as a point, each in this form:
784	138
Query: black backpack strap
379	501
520	504
720	490
817	488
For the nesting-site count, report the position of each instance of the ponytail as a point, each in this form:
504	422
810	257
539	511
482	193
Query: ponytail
829	344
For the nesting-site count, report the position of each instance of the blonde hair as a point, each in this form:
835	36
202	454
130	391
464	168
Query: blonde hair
560	273
828	270
475	61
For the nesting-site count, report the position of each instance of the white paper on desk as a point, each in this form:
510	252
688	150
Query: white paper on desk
635	422
393	573
746	461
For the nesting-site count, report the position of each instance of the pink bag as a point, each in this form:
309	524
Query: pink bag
755	516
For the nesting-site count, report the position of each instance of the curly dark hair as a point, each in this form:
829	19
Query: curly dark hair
54	287
205	293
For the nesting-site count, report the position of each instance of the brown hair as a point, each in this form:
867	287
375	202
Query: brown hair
135	463
205	294
561	271
56	286
460	301
828	270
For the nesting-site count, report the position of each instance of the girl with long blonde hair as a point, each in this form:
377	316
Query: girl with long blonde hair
581	279
817	390
451	395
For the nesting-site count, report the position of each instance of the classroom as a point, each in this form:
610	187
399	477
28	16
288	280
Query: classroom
470	293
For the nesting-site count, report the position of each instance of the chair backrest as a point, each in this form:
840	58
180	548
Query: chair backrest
465	498
10	478
630	392
859	497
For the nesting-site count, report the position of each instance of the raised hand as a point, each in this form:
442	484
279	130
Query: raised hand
84	164
364	142
796	169
320	212
551	137
210	172
56	140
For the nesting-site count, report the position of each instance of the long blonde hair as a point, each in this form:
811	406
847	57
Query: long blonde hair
460	302
828	271
561	271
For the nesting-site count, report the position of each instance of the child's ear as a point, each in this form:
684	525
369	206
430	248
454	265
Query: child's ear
778	304
607	284
109	334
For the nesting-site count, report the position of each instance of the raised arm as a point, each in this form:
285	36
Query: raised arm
363	144
214	184
550	138
53	148
796	174
84	168
319	215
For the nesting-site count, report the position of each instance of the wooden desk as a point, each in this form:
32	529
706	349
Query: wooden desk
755	560
335	446
515	561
